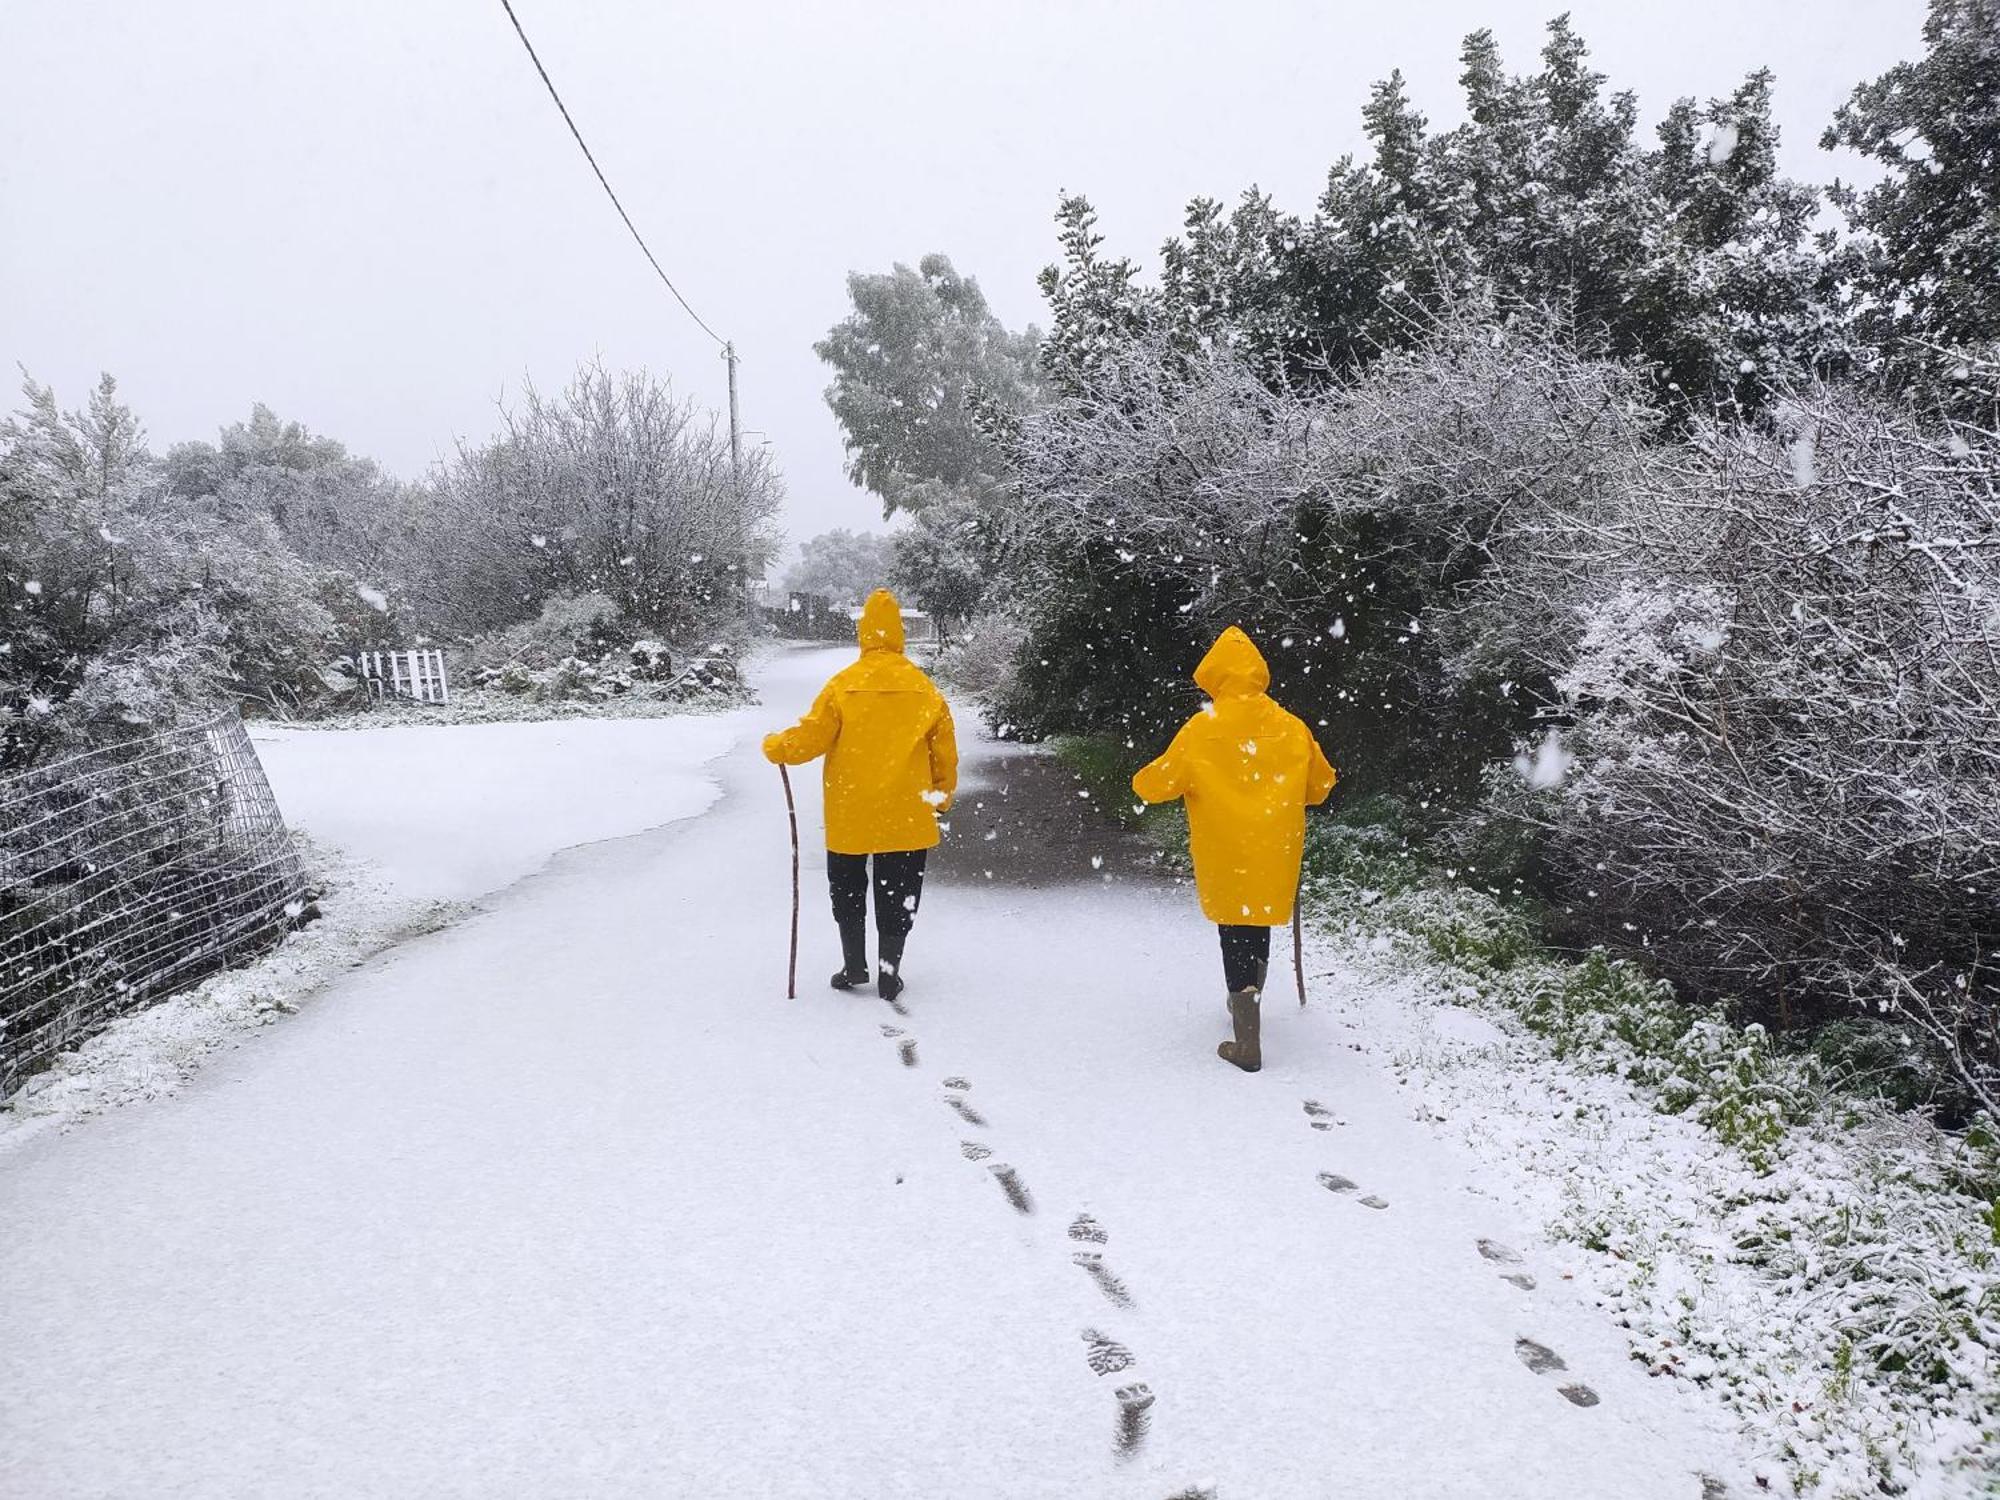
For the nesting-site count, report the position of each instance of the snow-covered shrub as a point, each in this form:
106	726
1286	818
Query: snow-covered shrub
1827	1266
980	660
611	486
1786	740
568	626
1154	508
125	598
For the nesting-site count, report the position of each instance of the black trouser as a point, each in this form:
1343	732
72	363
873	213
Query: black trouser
1246	953
899	886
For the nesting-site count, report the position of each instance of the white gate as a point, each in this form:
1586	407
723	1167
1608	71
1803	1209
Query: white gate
406	674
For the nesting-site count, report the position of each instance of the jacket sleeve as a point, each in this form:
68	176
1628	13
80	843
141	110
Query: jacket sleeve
811	737
1320	774
944	756
1166	778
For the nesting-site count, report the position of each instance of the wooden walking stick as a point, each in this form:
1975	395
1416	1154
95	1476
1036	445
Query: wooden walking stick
792	965
1298	943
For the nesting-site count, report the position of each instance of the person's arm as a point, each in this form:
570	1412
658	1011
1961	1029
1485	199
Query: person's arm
811	737
1320	774
944	758
1166	778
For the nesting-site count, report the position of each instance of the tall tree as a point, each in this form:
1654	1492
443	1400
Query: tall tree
913	364
1926	258
1695	257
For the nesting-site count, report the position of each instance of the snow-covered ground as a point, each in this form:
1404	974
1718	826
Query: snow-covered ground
570	1199
453	811
401	827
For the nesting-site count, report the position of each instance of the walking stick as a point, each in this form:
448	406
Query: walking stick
792	965
1298	945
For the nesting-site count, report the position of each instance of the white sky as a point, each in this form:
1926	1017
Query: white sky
367	213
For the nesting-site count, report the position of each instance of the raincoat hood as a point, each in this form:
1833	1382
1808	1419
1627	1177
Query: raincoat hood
1233	668
881	624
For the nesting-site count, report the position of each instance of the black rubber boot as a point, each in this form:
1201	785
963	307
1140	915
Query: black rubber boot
888	983
1246	1051
853	971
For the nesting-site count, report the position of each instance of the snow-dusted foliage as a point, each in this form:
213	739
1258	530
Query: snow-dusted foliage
1787	710
1155	503
1923	263
611	486
128	596
1824	1267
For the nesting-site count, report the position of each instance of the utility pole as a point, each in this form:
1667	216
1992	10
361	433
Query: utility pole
735	432
749	599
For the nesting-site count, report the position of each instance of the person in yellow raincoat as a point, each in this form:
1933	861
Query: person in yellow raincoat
1248	770
891	768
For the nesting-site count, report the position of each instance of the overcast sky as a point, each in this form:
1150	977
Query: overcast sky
368	215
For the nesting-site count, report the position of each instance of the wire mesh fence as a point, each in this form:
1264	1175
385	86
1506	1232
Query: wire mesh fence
128	872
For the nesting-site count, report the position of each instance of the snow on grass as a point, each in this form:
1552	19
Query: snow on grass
1821	1265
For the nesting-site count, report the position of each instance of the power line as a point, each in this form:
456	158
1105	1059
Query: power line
606	184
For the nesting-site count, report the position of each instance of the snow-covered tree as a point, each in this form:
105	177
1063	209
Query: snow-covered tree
913	364
125	600
611	486
1926	257
842	565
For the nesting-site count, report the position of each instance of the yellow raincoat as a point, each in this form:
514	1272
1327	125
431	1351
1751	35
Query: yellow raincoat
886	733
1248	770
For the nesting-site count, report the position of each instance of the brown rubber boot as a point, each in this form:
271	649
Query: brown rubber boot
1246	1051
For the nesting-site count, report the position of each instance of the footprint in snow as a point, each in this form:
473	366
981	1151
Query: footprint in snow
1088	1230
906	1046
1094	1267
1135	1405
1539	1357
1192	1492
1015	1189
963	1108
1543	1360
1333	1182
1319	1116
956	1082
973	1151
1505	1255
1105	1354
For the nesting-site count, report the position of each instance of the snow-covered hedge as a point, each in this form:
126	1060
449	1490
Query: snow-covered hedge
1827	1265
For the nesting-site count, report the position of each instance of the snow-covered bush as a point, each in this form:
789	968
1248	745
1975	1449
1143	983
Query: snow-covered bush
1828	1266
980	660
1786	741
611	486
126	600
569	625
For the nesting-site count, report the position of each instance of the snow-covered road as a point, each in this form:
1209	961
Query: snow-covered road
570	1200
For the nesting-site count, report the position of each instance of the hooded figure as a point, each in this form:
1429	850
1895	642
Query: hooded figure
1248	771
891	768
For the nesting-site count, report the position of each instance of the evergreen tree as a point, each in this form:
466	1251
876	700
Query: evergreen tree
912	364
1926	258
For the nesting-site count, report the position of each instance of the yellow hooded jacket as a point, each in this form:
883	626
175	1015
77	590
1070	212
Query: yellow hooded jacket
1248	770
886	732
